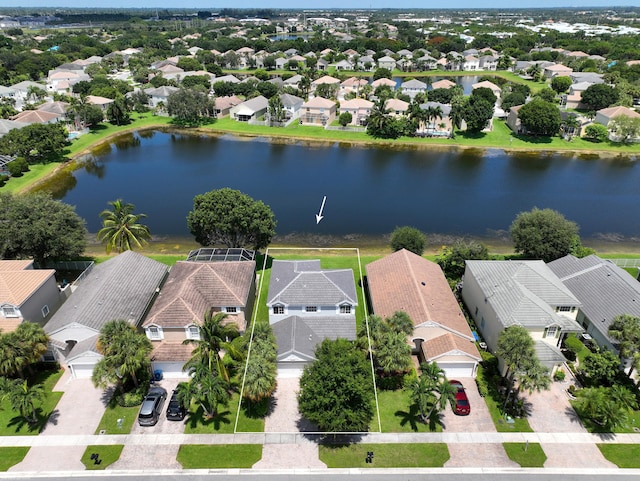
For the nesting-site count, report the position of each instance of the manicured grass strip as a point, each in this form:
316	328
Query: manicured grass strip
224	422
527	455
409	455
399	415
107	455
12	424
12	456
622	455
205	456
109	421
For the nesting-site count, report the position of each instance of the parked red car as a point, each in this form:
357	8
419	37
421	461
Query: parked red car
461	406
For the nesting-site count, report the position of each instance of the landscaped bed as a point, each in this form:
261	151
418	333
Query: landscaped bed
409	455
205	456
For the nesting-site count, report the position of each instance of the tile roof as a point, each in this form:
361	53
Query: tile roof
319	102
404	281
604	289
192	288
120	288
326	79
18	281
356	104
524	293
172	351
297	337
612	112
449	344
305	283
35	116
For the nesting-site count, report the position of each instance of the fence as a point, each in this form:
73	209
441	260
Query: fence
624	263
348	128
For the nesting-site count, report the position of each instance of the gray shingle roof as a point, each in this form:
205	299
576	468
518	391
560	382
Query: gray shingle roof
298	337
604	289
304	283
120	288
524	293
548	354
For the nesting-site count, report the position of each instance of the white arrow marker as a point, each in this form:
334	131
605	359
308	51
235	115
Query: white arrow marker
319	215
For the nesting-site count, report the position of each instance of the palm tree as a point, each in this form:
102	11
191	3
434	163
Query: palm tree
400	322
428	392
625	329
120	228
215	336
11	361
260	379
393	354
23	398
208	389
433	113
32	342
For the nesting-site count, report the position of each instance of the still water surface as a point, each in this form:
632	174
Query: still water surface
369	190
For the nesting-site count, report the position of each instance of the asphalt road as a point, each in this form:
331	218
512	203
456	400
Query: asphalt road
351	475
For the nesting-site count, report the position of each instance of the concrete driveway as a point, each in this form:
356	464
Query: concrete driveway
153	456
78	412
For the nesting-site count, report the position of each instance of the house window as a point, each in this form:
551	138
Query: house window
311	309
231	310
551	331
10	311
45	310
278	309
154	332
345	309
193	332
563	309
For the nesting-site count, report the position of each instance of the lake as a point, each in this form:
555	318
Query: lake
370	190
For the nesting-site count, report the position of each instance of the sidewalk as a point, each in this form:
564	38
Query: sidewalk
293	438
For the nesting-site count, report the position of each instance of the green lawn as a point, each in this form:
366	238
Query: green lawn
622	455
224	423
12	424
205	456
527	455
107	455
398	415
413	455
109	421
12	456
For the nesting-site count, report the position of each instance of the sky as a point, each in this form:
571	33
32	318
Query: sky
317	4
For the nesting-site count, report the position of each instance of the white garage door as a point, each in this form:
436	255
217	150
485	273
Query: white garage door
81	371
290	369
170	370
455	370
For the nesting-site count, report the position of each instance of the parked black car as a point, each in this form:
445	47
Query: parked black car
152	406
175	411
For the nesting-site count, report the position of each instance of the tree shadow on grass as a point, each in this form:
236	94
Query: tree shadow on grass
534	139
42	419
260	409
199	419
413	418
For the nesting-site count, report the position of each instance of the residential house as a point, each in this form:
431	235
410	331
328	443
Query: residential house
223	105
471	62
307	305
343	65
513	120
413	87
396	107
426	62
358	108
387	62
322	64
604	116
499	294
404	281
227	78
98	101
488	62
293	81
190	291
557	70
408	54
26	294
251	109
443	84
589	77
292	105
604	291
281	63
8	125
21	91
160	95
326	79
318	111
123	287
57	107
440	126
37	117
352	84
366	63
573	99
6	92
497	91
384	81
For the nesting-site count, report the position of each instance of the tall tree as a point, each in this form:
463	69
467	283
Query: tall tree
431	391
409	238
192	106
36	226
276	110
599	96
229	217
625	128
543	234
261	370
452	259
215	336
24	398
121	230
336	391
625	329
38	143
540	117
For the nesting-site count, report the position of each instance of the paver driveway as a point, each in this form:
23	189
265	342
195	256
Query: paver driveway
153	456
78	412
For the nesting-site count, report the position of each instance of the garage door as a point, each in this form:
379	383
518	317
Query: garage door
170	370
290	369
81	371
455	370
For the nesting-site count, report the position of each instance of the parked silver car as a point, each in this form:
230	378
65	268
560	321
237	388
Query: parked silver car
152	406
